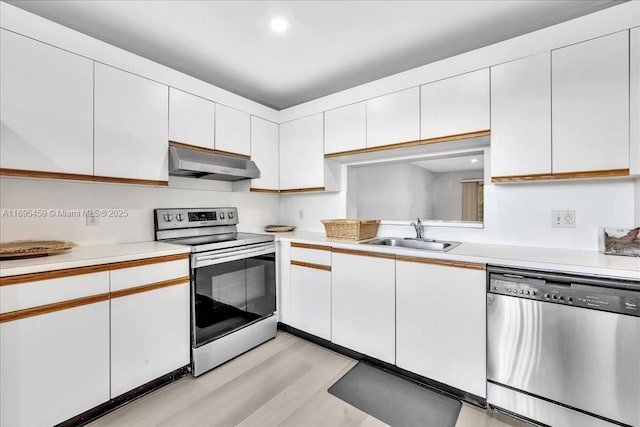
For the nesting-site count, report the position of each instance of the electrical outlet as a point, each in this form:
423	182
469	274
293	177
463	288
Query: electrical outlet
92	220
563	219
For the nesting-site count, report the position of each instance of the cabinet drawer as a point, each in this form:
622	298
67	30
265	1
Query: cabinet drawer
49	291
313	254
146	274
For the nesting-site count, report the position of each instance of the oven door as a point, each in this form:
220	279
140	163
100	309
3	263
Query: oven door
231	289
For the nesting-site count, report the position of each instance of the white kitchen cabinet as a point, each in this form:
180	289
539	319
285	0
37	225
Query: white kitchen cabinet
363	303
441	323
54	360
521	117
46	107
191	119
264	152
149	323
233	131
311	289
455	106
393	118
131	121
345	128
302	153
634	100
590	100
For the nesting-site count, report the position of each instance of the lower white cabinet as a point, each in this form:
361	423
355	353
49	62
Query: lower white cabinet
149	323
54	356
363	303
441	318
311	290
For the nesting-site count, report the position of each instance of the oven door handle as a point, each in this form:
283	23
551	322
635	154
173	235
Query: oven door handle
233	255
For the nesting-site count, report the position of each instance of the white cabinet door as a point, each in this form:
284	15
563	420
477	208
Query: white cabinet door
149	323
46	107
521	117
191	119
634	99
590	105
455	105
363	304
345	128
131	121
311	300
233	130
393	118
302	153
441	324
264	152
54	365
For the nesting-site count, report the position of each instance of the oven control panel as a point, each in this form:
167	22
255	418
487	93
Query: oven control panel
570	292
167	219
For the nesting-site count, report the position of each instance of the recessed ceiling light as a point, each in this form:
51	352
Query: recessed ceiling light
279	25
474	160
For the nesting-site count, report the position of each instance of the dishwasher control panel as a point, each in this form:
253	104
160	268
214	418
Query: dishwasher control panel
558	289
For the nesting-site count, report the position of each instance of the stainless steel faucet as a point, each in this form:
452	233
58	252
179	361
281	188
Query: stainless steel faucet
418	227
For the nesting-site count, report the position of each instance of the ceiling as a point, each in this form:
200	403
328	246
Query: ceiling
330	45
453	163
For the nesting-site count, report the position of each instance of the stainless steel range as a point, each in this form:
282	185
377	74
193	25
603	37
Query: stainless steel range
233	282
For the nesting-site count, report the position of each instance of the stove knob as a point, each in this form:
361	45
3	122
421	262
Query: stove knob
546	296
230	215
570	299
221	215
521	291
179	217
561	298
533	293
168	217
554	296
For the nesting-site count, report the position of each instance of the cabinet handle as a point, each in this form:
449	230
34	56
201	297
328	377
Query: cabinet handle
363	253
310	246
149	287
50	308
444	262
311	265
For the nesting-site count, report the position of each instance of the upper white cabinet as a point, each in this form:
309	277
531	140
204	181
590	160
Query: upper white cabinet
264	152
441	323
131	116
302	153
191	119
46	107
521	117
233	130
363	303
393	118
345	128
455	105
590	99
634	99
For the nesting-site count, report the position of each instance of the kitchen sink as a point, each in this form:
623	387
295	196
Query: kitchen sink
423	244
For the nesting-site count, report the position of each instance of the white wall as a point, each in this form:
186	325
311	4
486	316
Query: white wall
255	209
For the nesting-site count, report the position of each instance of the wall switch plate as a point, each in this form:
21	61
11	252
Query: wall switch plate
563	219
92	220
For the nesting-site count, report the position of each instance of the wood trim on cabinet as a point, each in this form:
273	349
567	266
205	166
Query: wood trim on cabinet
444	262
147	261
310	246
43	174
311	265
362	253
417	142
56	274
50	308
207	150
302	190
605	173
521	178
138	181
149	287
78	177
263	190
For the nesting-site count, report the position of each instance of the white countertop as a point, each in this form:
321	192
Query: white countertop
566	260
82	256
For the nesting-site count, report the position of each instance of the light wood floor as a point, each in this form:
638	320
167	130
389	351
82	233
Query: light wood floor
283	382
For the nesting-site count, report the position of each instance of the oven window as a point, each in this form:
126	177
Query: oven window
231	295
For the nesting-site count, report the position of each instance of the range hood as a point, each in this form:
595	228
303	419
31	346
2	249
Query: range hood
201	164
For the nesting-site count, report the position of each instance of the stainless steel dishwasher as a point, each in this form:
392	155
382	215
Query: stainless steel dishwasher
563	350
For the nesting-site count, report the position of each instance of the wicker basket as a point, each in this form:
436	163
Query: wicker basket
351	229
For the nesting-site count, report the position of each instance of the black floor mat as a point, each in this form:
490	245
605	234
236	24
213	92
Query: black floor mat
395	400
